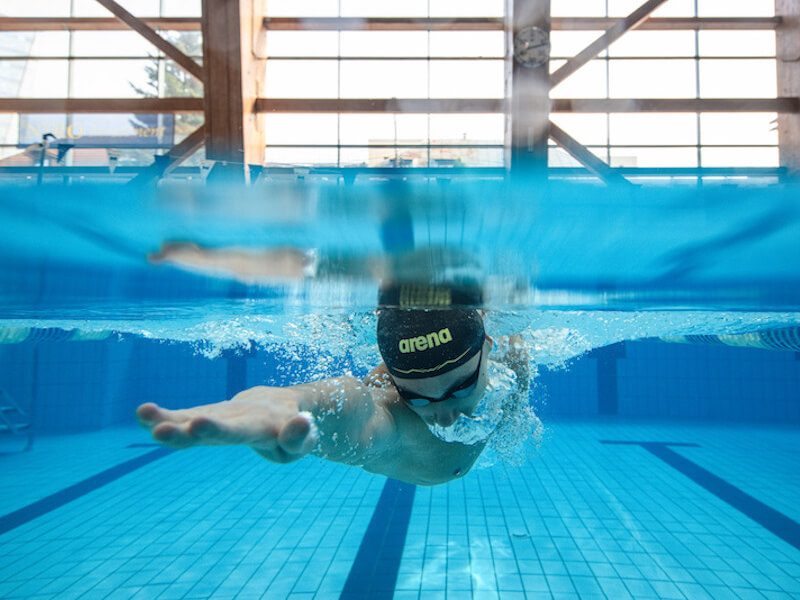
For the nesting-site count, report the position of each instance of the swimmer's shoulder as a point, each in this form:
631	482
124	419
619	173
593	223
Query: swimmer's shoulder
382	387
379	377
416	455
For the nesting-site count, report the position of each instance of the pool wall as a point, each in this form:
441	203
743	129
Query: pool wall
89	385
661	380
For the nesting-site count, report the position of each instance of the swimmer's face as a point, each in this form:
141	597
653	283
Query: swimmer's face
446	412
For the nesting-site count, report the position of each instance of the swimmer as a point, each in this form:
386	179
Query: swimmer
423	416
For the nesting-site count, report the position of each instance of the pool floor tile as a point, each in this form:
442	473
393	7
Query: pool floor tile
580	519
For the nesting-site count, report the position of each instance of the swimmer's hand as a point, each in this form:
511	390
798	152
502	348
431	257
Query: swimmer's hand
265	418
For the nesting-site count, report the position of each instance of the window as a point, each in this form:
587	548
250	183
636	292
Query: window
423	64
673	64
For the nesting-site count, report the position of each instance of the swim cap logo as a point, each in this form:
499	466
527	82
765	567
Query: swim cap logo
425	295
425	342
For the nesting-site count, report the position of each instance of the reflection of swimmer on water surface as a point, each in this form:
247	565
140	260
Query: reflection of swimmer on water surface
242	264
444	392
266	265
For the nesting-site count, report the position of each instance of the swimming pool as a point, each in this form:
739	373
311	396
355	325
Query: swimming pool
666	471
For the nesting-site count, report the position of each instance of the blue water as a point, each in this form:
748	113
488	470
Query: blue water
702	504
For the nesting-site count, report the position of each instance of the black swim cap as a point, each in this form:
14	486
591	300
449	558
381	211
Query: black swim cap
424	343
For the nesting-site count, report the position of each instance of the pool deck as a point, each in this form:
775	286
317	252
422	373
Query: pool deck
688	510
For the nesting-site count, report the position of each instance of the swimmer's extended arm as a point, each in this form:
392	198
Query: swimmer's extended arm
336	419
238	263
250	265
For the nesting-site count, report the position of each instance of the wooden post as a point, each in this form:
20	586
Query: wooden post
528	90
788	54
233	57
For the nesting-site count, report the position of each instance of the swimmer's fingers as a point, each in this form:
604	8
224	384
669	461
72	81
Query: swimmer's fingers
205	431
172	435
232	423
150	415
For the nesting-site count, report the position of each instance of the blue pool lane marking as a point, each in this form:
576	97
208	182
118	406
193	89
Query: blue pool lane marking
769	518
73	492
374	571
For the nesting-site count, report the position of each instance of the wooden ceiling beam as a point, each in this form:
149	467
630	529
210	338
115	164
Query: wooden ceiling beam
669	23
561	105
100	105
497	24
383	24
783	105
372	105
151	36
94	23
174	157
668	105
611	35
296	23
584	156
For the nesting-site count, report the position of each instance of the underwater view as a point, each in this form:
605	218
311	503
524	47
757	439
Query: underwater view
490	389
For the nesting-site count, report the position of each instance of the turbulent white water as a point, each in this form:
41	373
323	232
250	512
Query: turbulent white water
554	336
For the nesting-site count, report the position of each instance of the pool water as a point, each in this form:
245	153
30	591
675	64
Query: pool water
666	470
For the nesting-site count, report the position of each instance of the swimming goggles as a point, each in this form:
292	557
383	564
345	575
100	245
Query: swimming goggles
459	390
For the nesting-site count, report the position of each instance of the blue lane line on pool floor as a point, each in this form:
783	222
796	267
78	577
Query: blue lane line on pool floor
766	516
60	498
374	571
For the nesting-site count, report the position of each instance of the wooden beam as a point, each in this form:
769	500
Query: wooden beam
334	24
582	154
190	144
611	35
94	23
175	156
666	105
151	36
668	23
380	105
788	54
784	105
382	24
100	105
496	24
560	105
234	49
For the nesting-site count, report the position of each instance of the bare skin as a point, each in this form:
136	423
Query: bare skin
244	265
340	419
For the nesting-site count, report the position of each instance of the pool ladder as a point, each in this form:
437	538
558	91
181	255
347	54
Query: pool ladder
14	420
